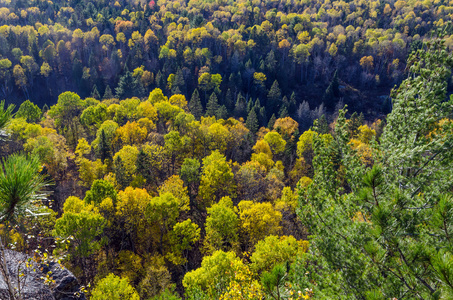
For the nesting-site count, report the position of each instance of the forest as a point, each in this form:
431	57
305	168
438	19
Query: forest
239	50
229	149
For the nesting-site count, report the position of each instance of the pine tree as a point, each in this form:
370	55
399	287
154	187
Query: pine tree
104	147
274	97
160	81
285	102
240	107
212	106
122	178
45	108
108	93
292	102
222	112
283	112
252	122
271	123
250	105
179	85
271	62
262	116
125	87
95	93
144	166
387	235
229	103
354	123
195	106
139	90
323	125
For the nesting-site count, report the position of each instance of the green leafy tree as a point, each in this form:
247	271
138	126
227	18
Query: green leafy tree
273	250
100	189
221	227
190	174
84	225
217	179
213	277
258	220
183	236
29	111
163	211
114	288
66	113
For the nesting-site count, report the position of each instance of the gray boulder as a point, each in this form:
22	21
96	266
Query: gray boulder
31	285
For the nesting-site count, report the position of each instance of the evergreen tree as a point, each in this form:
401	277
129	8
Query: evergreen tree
323	125
250	105
144	166
262	66
274	97
139	90
252	122
222	112
387	234
45	108
108	93
6	115
240	107
104	147
195	106
179	85
271	62
121	176
271	123
125	87
212	106
95	93
292	102
229	103
283	112
285	102
354	123
160	80
262	117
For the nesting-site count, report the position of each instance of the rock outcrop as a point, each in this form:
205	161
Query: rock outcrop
31	284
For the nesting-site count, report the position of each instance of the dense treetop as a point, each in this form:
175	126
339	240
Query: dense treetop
128	48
